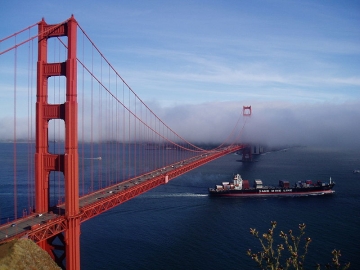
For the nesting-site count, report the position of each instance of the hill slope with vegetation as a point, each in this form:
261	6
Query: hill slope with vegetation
25	254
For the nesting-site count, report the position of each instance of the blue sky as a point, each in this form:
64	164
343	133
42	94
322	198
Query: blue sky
270	54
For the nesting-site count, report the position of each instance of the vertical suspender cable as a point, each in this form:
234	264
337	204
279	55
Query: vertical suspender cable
109	112
135	139
116	137
29	141
32	182
15	165
83	123
111	136
116	133
100	125
123	137
129	141
92	125
141	140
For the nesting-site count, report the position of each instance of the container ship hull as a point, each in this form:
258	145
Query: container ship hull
240	188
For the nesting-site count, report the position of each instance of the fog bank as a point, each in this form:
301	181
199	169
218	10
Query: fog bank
271	123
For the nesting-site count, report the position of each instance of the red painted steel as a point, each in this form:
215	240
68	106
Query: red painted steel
67	162
42	231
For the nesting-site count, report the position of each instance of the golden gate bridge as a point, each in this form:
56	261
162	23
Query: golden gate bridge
85	145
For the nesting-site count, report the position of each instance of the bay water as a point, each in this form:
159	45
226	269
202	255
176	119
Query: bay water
178	226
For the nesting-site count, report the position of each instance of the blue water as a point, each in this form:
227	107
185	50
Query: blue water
178	226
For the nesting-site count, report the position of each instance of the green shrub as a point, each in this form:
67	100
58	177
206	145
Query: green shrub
275	258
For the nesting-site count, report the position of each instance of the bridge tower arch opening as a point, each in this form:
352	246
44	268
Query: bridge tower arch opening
246	110
67	162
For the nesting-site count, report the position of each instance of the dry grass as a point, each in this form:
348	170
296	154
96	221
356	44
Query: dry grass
25	254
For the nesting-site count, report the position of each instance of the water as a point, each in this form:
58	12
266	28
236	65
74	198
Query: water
177	226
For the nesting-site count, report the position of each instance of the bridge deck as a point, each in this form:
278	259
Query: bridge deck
43	226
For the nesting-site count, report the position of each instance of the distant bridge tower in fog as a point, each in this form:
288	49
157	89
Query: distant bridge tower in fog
246	110
247	151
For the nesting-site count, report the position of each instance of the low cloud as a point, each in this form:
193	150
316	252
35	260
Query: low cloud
271	123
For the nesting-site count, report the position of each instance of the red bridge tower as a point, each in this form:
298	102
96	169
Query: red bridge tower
67	163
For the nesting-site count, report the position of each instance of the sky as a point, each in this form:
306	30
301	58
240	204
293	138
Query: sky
297	63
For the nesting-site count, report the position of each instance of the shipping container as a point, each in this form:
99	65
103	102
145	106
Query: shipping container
258	183
245	184
284	184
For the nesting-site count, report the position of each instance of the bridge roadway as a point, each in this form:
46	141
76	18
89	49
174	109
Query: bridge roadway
39	227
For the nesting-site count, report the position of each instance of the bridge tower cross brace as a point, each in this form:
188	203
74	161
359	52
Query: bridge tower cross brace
67	163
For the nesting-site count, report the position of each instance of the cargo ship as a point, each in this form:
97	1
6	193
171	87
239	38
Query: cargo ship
240	187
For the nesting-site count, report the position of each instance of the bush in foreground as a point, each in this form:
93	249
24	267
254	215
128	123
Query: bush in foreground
276	258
